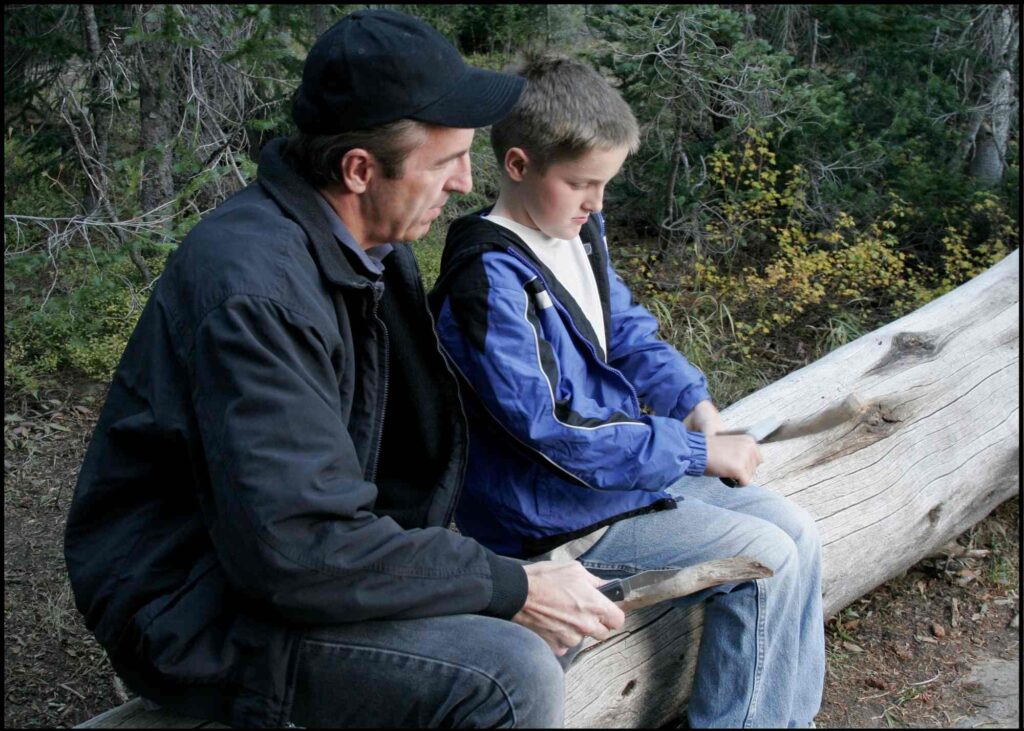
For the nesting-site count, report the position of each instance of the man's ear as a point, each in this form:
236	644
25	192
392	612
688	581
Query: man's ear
357	169
516	163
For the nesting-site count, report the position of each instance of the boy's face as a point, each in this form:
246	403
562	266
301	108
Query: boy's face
559	201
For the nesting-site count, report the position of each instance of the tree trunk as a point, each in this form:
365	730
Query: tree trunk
158	109
100	87
934	453
321	20
989	129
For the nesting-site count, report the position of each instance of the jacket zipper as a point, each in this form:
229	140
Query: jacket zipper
590	345
569	475
387	372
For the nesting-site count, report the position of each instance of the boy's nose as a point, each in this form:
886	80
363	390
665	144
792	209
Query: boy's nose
595	202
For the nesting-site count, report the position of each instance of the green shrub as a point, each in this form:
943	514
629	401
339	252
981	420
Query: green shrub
83	326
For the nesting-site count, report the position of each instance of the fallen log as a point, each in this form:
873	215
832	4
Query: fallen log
935	450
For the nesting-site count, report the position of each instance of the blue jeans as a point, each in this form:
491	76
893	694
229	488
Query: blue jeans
761	661
460	670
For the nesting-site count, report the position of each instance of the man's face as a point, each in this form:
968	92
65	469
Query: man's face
560	200
402	209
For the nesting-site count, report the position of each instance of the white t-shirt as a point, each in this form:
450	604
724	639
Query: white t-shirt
568	261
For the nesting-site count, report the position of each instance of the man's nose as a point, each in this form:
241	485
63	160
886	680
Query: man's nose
462	180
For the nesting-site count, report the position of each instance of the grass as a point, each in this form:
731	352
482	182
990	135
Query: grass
701	332
428	255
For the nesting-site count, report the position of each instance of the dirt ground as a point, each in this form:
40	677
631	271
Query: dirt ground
900	656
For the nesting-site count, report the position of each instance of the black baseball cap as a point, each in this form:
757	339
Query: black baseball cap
378	66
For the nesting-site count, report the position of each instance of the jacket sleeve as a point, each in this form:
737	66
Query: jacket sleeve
663	378
289	512
491	330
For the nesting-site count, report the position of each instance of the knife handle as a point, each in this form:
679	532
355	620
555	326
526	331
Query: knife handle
613	590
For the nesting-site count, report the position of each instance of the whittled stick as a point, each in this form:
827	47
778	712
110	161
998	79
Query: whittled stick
695	578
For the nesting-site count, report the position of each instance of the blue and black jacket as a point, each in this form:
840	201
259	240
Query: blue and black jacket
560	444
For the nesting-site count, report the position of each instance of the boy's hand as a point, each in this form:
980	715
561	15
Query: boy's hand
735	456
704	418
563	605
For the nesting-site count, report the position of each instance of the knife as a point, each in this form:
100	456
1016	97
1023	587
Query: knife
776	430
658	585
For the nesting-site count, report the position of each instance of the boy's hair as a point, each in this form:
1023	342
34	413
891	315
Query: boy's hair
566	109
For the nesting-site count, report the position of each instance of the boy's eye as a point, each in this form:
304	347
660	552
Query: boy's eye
577	186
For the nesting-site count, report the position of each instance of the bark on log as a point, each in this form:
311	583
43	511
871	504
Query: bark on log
934	453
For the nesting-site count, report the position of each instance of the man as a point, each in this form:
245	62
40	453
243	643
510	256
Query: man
259	531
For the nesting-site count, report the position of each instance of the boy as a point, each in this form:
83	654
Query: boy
563	462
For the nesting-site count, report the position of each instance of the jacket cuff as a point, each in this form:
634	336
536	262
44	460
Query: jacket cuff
508	577
698	445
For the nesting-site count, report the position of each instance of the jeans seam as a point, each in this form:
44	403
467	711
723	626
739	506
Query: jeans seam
759	641
457	666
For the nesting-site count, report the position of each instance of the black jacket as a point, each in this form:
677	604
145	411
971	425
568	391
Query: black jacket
282	446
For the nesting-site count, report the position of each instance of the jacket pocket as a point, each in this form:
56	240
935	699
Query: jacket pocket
184	636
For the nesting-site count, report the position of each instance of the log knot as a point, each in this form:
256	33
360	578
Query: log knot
880	417
877	421
908	346
913	343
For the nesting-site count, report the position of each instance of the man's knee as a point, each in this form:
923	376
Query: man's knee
534	680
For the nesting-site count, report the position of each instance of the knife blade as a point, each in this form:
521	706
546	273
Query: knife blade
776	430
658	585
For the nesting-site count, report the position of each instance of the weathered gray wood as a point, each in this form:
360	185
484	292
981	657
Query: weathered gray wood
936	450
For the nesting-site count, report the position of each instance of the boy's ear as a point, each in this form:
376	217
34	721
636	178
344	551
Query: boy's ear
357	169
516	162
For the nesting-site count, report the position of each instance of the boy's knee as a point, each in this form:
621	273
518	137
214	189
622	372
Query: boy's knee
777	550
798	524
806	534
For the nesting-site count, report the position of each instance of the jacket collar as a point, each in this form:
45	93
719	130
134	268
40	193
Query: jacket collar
297	198
471	235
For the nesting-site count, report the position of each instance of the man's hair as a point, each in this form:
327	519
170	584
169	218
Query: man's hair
317	158
566	109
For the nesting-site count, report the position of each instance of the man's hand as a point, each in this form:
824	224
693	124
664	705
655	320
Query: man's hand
736	456
563	605
704	418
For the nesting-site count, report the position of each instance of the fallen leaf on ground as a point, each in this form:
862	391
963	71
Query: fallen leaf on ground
938	630
851	647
